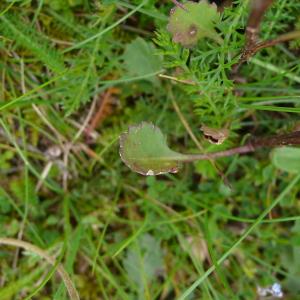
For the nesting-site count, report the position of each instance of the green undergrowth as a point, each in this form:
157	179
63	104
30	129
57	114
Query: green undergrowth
207	232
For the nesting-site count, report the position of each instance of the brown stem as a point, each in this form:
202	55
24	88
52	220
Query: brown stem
289	139
178	4
282	38
252	46
250	51
258	9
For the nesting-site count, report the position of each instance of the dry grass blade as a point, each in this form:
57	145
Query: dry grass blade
43	254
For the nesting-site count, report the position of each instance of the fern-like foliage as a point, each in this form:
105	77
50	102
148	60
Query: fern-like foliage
203	70
280	18
13	28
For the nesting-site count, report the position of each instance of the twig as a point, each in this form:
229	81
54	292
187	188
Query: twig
43	254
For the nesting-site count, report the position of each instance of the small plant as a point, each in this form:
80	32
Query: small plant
143	149
76	222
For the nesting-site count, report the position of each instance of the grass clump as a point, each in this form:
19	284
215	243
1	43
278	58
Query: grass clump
74	75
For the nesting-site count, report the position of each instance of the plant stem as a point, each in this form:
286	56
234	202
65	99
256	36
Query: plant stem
178	4
258	10
253	48
238	150
282	38
289	139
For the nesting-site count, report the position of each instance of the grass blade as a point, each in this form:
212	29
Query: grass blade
241	239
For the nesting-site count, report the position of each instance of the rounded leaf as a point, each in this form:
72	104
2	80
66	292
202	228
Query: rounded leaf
287	159
143	149
195	21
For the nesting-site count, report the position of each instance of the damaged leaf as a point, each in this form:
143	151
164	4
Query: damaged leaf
193	22
215	135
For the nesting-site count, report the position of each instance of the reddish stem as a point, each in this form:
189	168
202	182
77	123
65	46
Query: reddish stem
289	139
178	4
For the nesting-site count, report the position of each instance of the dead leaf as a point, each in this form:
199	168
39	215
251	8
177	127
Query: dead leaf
215	135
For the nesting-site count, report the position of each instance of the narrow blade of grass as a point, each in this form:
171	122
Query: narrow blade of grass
112	26
272	108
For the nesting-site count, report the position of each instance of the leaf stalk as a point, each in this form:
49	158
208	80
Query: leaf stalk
290	139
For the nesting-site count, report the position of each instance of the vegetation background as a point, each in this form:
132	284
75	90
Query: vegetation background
73	75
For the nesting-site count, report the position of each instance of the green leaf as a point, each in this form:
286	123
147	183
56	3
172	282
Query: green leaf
139	59
287	159
195	21
143	149
144	262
